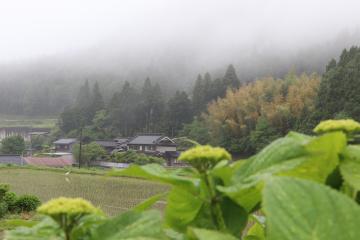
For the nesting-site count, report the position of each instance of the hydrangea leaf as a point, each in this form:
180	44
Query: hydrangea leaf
130	226
182	208
158	173
294	155
256	232
234	215
205	234
298	209
350	166
148	203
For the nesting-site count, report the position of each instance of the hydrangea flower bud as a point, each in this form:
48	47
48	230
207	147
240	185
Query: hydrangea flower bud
204	157
345	125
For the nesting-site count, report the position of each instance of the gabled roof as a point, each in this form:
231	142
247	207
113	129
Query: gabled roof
11	159
145	139
148	139
65	141
165	141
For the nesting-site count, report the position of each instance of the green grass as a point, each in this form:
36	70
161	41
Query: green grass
26	121
112	194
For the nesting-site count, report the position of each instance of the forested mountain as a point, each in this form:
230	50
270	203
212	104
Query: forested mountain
47	85
250	117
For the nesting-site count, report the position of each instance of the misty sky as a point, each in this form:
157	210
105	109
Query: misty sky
31	29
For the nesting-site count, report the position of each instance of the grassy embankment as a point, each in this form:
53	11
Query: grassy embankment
26	121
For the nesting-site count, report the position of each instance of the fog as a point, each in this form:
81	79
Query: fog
170	41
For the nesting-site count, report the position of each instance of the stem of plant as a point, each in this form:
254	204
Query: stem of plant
214	203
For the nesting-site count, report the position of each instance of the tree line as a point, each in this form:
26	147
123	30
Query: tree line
248	118
131	110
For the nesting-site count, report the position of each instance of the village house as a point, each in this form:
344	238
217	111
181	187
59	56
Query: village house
108	145
152	143
64	144
121	143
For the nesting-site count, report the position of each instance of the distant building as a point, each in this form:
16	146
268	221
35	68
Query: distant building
152	143
12	159
121	143
109	145
64	144
25	132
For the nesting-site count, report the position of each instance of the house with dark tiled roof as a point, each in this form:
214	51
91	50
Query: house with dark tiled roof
152	143
108	145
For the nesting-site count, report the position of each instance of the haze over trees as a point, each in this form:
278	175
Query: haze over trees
241	116
47	86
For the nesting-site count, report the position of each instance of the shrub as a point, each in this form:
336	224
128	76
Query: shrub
136	158
10	198
3	189
90	152
27	203
3	209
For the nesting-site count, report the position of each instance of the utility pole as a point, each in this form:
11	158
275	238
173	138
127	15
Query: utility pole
80	146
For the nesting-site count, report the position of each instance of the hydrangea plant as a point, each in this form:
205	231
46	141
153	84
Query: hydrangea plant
67	212
204	157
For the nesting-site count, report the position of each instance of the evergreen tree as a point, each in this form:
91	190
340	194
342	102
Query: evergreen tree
84	97
157	110
207	89
179	112
97	99
150	111
217	89
198	97
340	86
84	103
122	110
70	119
230	80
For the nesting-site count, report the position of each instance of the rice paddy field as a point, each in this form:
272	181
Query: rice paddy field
112	194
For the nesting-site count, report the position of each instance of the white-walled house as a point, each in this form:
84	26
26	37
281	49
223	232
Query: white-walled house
152	143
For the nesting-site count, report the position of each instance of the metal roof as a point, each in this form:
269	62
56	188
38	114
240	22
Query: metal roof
106	143
66	141
12	159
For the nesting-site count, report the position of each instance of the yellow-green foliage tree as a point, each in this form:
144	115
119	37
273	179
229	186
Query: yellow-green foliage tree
283	103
